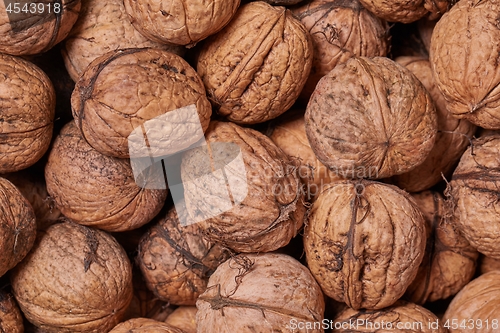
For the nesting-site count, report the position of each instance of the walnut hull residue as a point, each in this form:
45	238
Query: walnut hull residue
259	293
27	104
364	242
255	68
370	118
76	279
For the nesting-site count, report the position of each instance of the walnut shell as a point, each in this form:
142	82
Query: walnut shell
466	72
176	260
488	264
145	325
259	293
340	29
364	242
76	279
478	300
452	138
11	320
255	68
401	317
102	26
425	28
405	11
370	118
474	189
449	262
179	22
156	90
252	201
17	226
96	190
27	101
184	317
35	29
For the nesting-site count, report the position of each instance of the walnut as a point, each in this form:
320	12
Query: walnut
255	68
183	317
370	118
37	27
10	317
27	101
364	242
144	325
159	94
405	11
488	264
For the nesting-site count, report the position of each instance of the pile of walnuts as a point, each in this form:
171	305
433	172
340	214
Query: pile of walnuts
260	166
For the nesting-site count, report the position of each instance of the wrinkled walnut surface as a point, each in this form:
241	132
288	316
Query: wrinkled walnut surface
184	317
144	325
11	320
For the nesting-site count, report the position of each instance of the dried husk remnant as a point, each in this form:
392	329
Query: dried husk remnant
17	226
36	28
144	325
255	68
364	242
259	293
76	279
11	320
148	90
371	118
474	190
176	261
449	262
97	190
467	72
251	200
184	317
27	104
340	29
480	300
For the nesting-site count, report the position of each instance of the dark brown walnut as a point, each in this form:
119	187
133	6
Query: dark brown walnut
425	28
178	22
474	190
404	11
479	300
144	325
176	261
102	26
402	317
488	264
371	118
449	262
259	293
242	190
255	68
364	242
27	101
76	279
452	139
37	27
340	29
184	317
96	190
149	91
466	72
11	320
17	226
289	134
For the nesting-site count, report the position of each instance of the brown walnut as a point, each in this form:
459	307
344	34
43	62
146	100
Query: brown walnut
11	320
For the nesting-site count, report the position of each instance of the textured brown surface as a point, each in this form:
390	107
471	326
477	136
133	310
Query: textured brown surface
180	22
17	226
272	211
340	29
102	26
33	33
410	318
404	11
452	138
11	320
480	299
27	101
97	190
76	279
474	191
488	264
370	118
259	293
184	317
364	242
123	89
464	58
449	262
176	260
144	325
255	68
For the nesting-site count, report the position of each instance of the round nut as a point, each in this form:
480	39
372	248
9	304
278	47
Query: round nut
10	317
144	325
183	317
